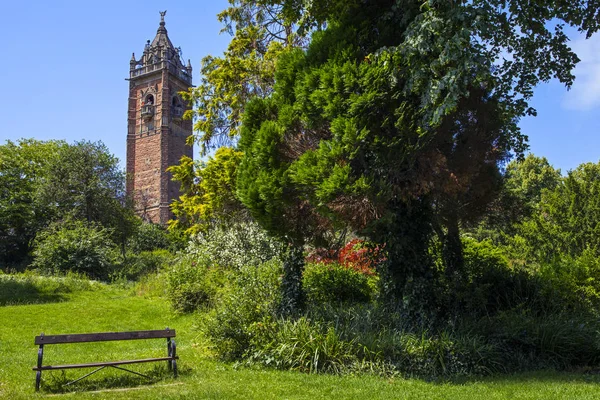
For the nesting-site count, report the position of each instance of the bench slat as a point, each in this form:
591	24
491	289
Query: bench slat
104	336
101	364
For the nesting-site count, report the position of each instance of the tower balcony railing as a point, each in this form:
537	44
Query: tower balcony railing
147	111
146	69
181	73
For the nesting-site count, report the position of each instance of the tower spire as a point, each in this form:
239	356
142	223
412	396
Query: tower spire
162	39
161	27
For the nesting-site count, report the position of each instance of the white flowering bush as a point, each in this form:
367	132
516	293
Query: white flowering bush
238	245
212	259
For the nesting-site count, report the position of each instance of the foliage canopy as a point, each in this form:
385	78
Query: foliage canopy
396	119
46	182
208	192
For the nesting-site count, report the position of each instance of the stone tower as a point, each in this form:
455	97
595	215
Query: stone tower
156	132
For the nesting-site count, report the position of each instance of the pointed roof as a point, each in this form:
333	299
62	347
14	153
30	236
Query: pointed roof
162	39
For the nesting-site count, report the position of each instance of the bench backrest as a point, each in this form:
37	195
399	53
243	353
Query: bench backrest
104	336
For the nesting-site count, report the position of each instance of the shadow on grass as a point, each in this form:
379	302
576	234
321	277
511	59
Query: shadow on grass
586	375
14	292
108	378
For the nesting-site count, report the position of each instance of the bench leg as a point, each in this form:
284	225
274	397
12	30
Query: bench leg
38	379
174	360
169	350
38	375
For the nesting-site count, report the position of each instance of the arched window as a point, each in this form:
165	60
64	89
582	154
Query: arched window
176	107
148	107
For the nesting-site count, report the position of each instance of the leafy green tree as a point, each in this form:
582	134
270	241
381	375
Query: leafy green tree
524	181
208	192
85	183
23	170
472	144
527	179
566	222
260	31
395	108
42	182
264	186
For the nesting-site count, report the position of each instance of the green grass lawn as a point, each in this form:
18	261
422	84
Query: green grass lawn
103	308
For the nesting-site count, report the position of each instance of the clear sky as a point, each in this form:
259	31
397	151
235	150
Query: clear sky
64	64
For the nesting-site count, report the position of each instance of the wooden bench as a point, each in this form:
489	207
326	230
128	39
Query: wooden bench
43	340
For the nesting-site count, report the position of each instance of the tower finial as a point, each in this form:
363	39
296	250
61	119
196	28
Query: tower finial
162	17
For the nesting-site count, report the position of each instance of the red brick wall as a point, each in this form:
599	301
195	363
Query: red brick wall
149	154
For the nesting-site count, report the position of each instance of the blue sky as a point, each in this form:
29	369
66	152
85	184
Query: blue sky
64	65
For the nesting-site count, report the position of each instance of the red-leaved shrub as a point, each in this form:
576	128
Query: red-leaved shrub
357	254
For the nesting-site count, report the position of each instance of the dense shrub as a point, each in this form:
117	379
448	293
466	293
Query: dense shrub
494	283
198	277
242	321
356	254
577	279
148	237
192	284
315	345
489	285
509	317
331	283
553	339
238	245
348	338
481	256
138	265
75	247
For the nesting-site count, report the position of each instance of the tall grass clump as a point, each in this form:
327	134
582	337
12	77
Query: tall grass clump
553	339
313	345
306	346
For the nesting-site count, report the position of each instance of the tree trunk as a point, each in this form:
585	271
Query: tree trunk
407	277
292	301
453	259
452	250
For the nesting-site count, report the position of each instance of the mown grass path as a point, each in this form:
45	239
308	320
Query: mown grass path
111	309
